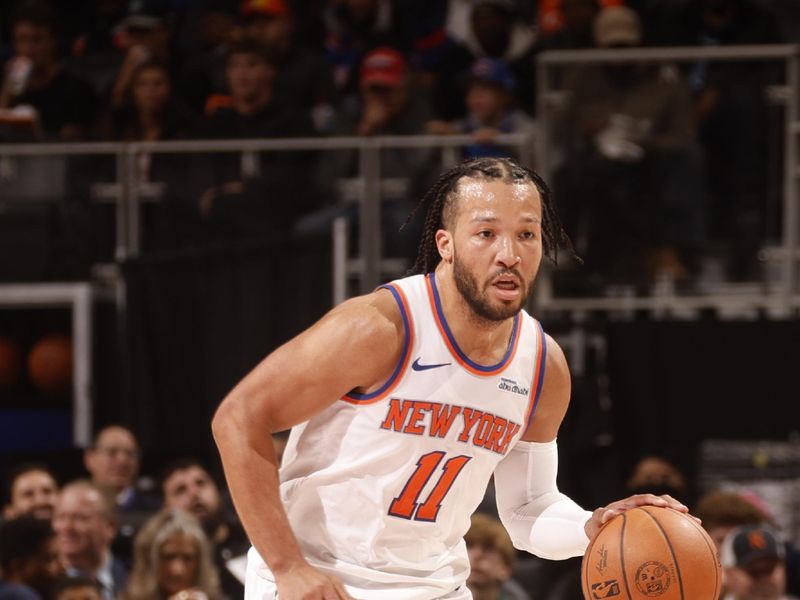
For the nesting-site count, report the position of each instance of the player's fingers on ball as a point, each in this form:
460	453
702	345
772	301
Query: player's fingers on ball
649	499
675	504
609	514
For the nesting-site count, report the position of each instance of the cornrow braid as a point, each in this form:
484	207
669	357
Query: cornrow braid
440	200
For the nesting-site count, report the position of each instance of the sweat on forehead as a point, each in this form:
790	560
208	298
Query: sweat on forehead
470	184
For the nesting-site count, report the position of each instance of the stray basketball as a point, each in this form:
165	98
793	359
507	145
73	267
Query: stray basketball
650	552
50	364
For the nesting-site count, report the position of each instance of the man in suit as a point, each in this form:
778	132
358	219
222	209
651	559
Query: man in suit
85	523
113	462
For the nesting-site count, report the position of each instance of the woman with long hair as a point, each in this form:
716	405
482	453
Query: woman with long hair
172	560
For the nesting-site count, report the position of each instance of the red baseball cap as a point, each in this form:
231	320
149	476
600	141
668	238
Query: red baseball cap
268	8
383	66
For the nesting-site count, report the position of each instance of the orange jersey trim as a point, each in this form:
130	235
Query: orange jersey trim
538	373
452	345
408	344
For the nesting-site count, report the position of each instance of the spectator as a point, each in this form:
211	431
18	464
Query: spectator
632	182
113	462
723	511
28	559
733	116
64	104
150	110
32	491
490	110
85	524
144	35
576	30
202	78
302	78
492	29
387	106
755	569
656	475
491	558
187	486
241	201
77	588
353	28
173	556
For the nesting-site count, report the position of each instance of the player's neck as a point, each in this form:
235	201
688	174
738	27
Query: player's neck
482	340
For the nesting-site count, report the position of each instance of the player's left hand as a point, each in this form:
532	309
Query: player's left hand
605	513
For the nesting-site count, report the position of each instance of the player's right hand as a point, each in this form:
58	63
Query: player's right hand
306	583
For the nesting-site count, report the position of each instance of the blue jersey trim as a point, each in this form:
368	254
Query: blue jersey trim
403	356
540	380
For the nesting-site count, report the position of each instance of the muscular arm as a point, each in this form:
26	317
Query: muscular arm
295	382
538	517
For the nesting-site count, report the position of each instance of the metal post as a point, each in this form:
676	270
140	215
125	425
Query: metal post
134	233
121	206
339	234
370	211
82	369
790	197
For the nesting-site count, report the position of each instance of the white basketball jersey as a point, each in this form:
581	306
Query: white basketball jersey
379	488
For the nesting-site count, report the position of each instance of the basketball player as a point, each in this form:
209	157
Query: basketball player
404	402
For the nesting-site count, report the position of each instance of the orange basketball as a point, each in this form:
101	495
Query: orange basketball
50	364
10	362
651	552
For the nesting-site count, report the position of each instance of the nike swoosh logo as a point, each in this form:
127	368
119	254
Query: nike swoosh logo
418	367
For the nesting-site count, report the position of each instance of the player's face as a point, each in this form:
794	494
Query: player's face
178	562
194	491
33	494
114	461
496	245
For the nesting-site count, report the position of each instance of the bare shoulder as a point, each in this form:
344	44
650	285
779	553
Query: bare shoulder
554	397
355	346
372	318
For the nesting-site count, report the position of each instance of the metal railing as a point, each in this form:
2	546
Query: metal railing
779	300
128	197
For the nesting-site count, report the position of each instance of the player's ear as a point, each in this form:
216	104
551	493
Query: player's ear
444	243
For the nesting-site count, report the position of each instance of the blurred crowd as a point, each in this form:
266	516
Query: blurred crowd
654	165
116	534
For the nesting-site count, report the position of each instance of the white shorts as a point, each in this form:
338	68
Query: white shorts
259	586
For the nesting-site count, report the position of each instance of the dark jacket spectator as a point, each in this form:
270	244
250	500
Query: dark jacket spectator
65	105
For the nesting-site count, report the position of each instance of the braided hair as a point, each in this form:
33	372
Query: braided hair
441	202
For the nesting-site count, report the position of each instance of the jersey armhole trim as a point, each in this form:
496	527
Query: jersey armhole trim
408	343
538	372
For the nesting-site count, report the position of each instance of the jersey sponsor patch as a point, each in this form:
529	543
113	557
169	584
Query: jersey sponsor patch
509	385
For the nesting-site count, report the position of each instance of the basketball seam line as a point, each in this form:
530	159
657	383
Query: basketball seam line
622	556
671	550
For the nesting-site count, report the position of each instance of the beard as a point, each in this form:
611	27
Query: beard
477	298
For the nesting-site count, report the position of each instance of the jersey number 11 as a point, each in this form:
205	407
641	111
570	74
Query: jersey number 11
406	505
